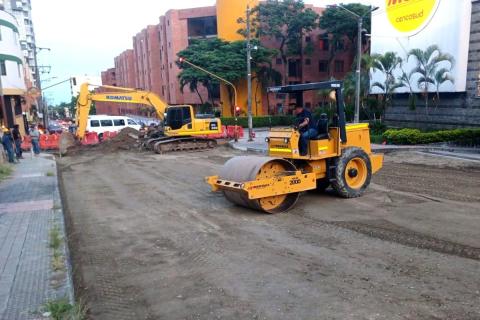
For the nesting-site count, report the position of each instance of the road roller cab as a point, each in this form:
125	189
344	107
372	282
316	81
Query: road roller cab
340	156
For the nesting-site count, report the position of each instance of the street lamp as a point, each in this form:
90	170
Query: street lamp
39	85
359	55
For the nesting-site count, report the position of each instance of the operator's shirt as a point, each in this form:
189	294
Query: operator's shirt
302	116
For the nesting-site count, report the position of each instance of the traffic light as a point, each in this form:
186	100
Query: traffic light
237	111
74	81
181	60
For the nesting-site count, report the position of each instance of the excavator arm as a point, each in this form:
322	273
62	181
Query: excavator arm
119	95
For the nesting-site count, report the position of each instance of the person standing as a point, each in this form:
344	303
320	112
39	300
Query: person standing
17	138
7	142
35	135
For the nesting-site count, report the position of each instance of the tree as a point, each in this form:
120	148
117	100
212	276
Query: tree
428	64
287	22
338	24
387	63
441	76
223	58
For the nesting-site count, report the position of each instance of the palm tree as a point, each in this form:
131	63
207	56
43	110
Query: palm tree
387	63
441	76
428	62
406	81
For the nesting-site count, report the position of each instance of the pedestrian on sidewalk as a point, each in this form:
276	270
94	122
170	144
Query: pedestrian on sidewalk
17	138
7	142
35	135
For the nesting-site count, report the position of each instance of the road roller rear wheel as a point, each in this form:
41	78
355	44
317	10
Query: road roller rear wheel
353	172
249	168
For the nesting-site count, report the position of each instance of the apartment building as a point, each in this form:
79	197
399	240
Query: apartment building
12	79
22	11
155	52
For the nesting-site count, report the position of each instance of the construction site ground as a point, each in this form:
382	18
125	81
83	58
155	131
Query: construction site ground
150	241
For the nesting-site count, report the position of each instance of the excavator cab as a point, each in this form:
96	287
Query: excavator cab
182	120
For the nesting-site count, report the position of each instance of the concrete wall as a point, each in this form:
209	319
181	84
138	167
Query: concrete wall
454	110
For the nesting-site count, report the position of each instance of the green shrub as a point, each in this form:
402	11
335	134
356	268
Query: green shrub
377	127
265	121
415	136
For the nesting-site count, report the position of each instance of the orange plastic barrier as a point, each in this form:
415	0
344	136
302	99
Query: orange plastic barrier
49	141
26	143
90	138
231	131
109	134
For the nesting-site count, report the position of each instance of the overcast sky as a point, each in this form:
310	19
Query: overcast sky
84	36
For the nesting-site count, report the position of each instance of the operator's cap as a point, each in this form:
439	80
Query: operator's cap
5	129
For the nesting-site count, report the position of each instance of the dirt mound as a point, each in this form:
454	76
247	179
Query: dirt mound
127	139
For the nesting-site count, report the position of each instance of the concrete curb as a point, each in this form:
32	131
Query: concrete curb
58	204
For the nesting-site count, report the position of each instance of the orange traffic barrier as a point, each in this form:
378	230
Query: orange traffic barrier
49	141
231	131
26	143
90	138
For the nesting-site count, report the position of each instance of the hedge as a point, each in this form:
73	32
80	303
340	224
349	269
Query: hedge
265	121
415	136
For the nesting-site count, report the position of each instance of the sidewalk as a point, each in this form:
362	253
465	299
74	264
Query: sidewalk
30	207
259	145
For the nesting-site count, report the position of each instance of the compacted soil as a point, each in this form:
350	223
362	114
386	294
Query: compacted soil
150	241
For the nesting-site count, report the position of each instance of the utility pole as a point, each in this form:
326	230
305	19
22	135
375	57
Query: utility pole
359	66
41	106
249	78
359	55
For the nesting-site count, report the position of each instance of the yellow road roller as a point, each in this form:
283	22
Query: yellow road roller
339	156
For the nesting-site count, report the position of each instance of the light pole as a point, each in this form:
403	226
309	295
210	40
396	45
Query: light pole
359	56
249	78
39	85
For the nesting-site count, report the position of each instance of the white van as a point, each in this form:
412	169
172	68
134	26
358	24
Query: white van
101	123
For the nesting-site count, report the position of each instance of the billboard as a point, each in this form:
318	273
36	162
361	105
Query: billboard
443	26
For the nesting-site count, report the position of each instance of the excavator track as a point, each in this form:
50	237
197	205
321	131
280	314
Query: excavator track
172	144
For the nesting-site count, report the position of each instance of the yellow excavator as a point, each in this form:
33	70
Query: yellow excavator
339	156
183	129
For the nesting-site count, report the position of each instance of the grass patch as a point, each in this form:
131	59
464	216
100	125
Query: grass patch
58	263
5	171
50	174
61	309
55	238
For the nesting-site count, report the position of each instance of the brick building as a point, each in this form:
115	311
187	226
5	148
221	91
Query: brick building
155	51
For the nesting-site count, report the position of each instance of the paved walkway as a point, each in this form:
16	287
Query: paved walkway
30	207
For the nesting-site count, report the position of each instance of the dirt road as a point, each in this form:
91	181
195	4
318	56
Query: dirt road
149	241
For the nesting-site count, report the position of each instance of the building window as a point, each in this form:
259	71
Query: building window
0	33
3	68
171	65
169	44
340	45
294	68
19	70
308	105
202	27
323	66
324	42
278	61
308	62
339	66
